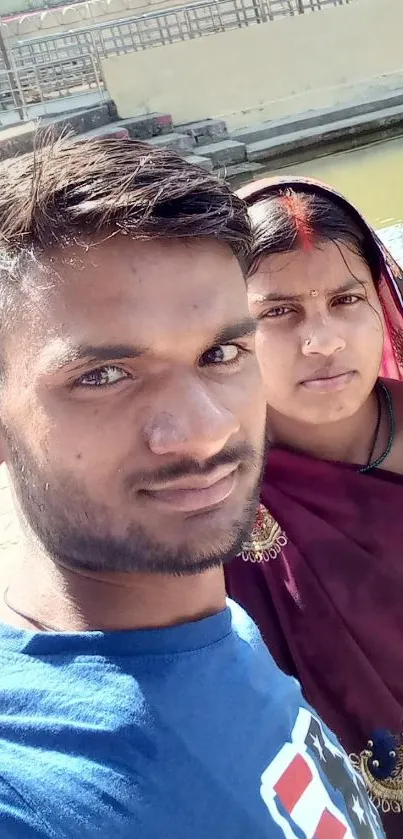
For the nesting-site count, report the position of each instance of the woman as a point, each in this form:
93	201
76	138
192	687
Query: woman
323	572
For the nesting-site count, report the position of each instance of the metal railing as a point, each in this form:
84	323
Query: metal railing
58	65
161	27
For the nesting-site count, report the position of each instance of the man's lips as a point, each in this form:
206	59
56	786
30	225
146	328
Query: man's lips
196	492
328	381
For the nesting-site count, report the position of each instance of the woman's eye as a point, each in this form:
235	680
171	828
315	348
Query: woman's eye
102	377
347	300
222	354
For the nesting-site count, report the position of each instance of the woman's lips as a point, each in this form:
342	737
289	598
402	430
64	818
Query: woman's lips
326	384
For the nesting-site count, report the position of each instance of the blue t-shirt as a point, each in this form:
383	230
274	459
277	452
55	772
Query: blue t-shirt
190	732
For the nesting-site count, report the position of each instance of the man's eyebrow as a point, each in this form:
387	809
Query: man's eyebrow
243	328
103	353
277	297
94	354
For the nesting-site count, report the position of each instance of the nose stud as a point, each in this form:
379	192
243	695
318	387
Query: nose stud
313	292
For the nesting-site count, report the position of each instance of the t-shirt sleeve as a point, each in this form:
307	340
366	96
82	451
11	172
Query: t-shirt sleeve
311	783
18	820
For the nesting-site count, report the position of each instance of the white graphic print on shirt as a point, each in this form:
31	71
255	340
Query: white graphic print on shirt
294	791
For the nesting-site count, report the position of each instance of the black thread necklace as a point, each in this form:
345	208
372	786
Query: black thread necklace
382	393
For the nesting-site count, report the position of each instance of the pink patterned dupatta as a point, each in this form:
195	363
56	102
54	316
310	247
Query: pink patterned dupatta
392	304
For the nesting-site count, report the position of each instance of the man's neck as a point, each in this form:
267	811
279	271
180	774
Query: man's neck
50	596
348	440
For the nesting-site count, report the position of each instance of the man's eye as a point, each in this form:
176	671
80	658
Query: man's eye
102	377
277	312
222	354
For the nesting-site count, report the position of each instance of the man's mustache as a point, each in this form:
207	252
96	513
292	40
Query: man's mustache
243	454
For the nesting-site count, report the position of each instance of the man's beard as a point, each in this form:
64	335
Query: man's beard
79	534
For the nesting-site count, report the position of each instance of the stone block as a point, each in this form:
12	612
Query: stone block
111	130
254	133
83	120
224	153
202	162
205	131
178	142
147	125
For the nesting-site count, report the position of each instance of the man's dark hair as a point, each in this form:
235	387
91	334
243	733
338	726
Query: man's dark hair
70	189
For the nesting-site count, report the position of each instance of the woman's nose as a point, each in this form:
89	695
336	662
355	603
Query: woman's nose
323	340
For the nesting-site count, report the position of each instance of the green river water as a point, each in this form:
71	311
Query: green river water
372	178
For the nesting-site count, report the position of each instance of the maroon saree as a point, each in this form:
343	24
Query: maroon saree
330	604
329	599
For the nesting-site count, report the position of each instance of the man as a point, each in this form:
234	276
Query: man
133	702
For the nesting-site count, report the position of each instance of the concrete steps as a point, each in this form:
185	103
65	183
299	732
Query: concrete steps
246	151
204	143
276	148
315	119
139	128
241	153
97	121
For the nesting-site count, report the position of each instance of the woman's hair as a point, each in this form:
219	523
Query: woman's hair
295	218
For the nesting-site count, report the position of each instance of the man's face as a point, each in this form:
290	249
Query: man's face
133	408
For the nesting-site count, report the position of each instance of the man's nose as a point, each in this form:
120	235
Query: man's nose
191	421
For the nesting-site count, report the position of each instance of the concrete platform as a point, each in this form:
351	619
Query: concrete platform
224	153
179	142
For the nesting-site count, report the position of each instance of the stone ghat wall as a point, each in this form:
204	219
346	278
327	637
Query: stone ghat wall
314	61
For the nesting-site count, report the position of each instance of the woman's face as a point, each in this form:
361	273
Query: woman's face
320	333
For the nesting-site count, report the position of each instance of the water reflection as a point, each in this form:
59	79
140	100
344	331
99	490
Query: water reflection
372	178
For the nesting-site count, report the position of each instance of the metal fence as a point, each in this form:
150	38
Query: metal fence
45	68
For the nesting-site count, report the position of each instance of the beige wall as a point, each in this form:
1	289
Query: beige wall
287	66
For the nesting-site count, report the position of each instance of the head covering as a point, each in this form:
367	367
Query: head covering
328	597
390	288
